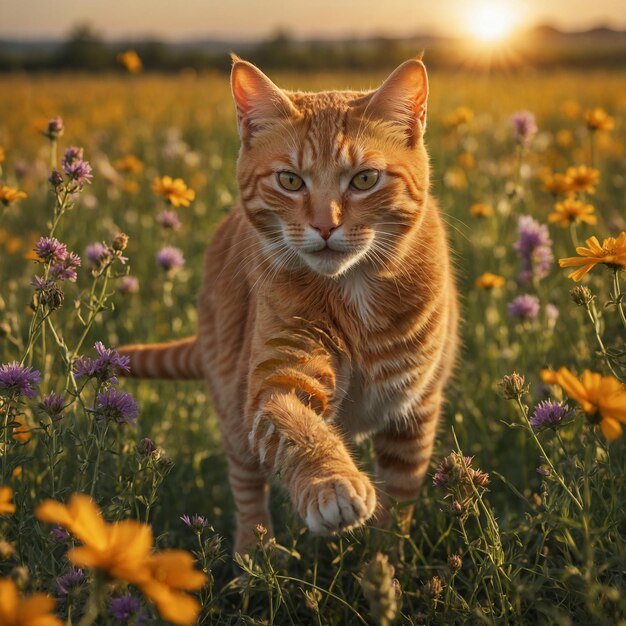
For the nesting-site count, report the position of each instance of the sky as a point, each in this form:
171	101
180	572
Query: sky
256	19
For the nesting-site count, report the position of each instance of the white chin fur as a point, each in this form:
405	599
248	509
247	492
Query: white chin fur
332	266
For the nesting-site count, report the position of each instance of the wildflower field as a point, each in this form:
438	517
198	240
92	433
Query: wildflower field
522	519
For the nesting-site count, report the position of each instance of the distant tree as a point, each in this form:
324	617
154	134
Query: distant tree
84	49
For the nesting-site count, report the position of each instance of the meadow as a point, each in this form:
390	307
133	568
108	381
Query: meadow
541	541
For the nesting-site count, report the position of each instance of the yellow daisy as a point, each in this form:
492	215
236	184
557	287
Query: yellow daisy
612	252
174	190
572	211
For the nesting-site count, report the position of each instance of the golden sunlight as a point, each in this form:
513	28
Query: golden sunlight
491	22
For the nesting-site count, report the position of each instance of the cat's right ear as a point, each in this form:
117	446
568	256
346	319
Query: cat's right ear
259	102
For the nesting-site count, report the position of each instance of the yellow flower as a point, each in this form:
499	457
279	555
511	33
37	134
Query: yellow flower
603	398
173	571
489	281
129	164
583	178
36	610
175	191
557	184
123	550
564	138
9	195
572	211
22	432
461	115
466	160
2	154
6	495
599	119
612	252
120	549
481	210
130	61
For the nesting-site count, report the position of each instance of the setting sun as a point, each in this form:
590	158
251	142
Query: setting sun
491	22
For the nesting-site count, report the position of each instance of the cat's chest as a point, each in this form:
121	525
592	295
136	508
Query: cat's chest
371	403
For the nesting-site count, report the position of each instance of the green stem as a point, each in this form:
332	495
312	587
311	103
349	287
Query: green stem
546	457
617	297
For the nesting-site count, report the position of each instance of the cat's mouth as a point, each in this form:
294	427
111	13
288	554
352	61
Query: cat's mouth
329	261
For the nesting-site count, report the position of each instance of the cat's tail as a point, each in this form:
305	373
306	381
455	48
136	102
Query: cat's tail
174	360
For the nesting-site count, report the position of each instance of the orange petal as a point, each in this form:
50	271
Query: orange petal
36	611
176	569
54	512
611	428
176	607
87	523
88	557
571	385
9	601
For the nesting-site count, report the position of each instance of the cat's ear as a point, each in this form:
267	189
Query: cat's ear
402	98
258	100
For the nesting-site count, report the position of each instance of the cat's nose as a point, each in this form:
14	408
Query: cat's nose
325	230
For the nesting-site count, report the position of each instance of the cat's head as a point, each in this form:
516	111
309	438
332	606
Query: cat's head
332	179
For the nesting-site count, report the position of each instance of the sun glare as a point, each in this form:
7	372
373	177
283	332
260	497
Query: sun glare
491	22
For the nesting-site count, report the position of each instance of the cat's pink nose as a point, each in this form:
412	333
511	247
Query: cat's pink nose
325	230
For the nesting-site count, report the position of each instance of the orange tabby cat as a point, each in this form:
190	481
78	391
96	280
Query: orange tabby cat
328	310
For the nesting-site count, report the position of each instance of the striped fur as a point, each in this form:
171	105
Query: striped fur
326	314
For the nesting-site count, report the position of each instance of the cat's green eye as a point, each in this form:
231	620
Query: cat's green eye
365	180
290	181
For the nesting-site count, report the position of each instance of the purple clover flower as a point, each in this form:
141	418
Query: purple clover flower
127	609
95	253
525	307
534	249
552	312
128	284
549	414
65	584
16	380
168	220
55	126
52	404
66	269
50	249
195	522
147	446
117	406
105	367
524	127
72	154
170	258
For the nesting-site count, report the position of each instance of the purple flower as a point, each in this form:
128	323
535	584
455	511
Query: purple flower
50	249
549	414
55	178
52	404
524	307
105	367
128	284
534	249
66	269
16	379
72	155
117	406
127	608
55	126
58	535
75	167
543	471
168	220
170	258
195	522
65	584
95	253
524	127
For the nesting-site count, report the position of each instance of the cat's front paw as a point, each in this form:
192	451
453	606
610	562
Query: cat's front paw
334	504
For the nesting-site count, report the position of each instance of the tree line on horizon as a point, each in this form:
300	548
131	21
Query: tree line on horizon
85	50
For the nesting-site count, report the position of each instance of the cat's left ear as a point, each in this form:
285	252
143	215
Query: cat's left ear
402	98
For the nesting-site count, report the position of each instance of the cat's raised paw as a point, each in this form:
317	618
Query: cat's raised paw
335	504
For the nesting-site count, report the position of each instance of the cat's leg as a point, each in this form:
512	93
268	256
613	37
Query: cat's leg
249	486
290	410
402	455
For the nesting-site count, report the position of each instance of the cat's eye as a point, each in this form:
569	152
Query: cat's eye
365	180
290	181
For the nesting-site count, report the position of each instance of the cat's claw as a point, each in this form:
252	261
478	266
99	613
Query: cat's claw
337	504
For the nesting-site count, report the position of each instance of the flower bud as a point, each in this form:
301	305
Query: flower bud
581	295
379	590
55	178
120	242
513	386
